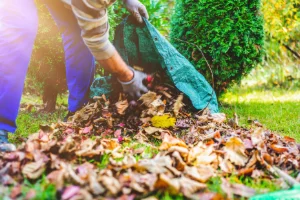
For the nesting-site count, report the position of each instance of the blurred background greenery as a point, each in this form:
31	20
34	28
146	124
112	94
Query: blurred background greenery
279	68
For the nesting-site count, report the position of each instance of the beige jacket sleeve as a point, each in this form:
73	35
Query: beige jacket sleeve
92	17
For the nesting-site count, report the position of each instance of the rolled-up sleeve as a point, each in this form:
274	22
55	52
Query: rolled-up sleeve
92	17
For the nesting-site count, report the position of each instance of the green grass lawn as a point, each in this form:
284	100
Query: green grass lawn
28	122
278	110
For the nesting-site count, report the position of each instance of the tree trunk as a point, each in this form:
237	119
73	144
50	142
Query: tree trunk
50	93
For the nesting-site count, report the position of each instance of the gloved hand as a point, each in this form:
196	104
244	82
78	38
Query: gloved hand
135	88
137	9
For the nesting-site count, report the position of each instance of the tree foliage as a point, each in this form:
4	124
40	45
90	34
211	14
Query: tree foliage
228	32
282	20
282	59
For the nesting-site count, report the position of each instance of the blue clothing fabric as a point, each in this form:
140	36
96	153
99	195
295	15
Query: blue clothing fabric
18	29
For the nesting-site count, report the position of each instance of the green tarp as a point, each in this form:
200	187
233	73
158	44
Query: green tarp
142	45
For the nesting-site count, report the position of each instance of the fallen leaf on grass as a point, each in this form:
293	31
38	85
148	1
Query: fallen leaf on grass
148	98
218	117
169	141
237	189
87	130
89	148
178	104
109	144
188	186
15	192
157	107
164	121
257	136
167	183
110	183
157	165
57	178
31	194
207	196
34	170
201	174
150	130
235	151
122	106
70	192
278	148
95	186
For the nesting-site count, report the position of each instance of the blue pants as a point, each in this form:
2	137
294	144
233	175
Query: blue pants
18	29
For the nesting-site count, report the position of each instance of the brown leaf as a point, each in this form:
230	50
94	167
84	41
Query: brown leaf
253	160
205	155
150	130
157	165
235	151
86	130
118	133
31	194
70	192
188	186
165	182
278	148
110	182
201	174
169	141
122	106
16	191
268	158
146	120
218	117
289	139
178	104
74	176
89	147
245	171
207	196
257	136
95	186
84	170
68	146
226	165
248	144
150	198
180	164
57	178
157	107
148	98
34	170
110	144
237	189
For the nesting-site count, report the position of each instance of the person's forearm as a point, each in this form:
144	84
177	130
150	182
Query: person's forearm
117	66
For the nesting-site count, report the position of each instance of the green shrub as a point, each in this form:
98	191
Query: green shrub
229	33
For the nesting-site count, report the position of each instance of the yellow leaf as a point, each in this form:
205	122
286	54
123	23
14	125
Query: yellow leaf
164	121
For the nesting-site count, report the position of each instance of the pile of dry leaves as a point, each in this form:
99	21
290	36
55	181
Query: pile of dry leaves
193	148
